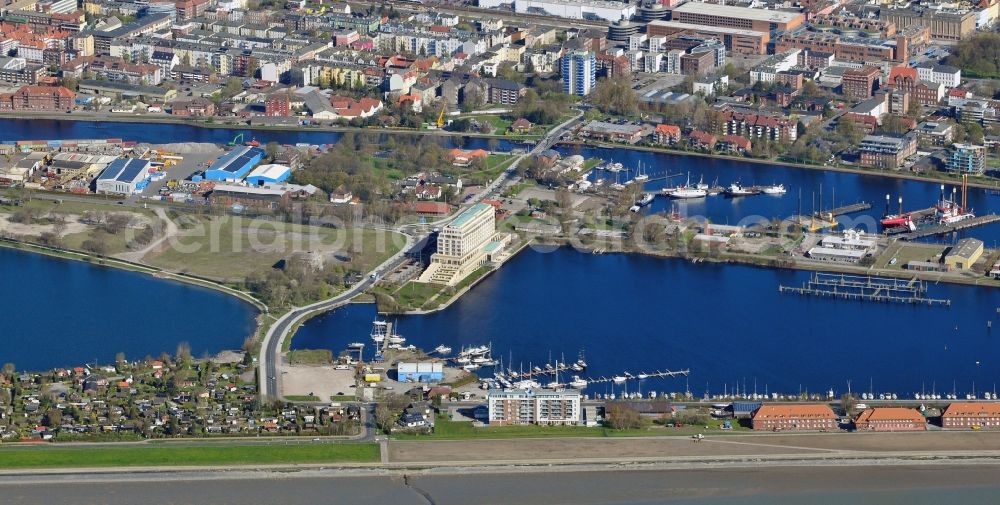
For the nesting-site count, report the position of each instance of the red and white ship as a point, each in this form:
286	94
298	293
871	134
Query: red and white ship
949	211
899	220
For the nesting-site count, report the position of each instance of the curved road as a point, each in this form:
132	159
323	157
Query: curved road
281	329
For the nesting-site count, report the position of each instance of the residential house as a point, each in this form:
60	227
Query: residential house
667	134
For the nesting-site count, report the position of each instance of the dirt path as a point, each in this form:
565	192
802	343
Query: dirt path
170	229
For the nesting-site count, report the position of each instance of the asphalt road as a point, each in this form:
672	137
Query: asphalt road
745	484
279	331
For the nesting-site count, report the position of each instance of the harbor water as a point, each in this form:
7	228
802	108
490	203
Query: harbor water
820	190
61	313
727	323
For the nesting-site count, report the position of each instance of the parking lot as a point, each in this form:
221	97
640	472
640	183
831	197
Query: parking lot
195	156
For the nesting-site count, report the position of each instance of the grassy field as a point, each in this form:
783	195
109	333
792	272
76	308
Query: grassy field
414	295
907	252
231	247
310	357
460	430
167	455
302	398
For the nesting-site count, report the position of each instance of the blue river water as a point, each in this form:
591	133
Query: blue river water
727	323
52	129
67	313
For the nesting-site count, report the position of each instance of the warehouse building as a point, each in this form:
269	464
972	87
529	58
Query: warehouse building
123	176
420	372
232	195
964	254
235	164
269	174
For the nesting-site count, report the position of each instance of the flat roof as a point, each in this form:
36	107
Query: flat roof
738	12
270	171
124	170
237	159
492	247
469	213
704	28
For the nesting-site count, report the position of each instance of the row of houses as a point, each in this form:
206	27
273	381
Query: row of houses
820	417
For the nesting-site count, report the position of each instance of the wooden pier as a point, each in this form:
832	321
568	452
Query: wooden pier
846	209
862	288
942	229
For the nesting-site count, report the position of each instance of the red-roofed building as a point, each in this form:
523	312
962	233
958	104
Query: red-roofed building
734	143
813	417
865	121
350	108
890	419
462	158
415	101
431	208
667	134
971	415
521	125
40	98
701	140
906	79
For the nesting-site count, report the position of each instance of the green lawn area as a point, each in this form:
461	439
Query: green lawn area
232	247
201	455
907	252
458	430
302	398
414	294
310	357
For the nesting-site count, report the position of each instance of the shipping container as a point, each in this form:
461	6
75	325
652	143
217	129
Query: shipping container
372	377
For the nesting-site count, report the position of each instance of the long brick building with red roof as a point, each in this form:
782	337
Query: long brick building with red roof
890	419
794	417
971	415
39	98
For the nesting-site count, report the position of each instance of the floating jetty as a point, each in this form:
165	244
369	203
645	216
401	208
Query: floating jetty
942	229
846	209
641	376
866	288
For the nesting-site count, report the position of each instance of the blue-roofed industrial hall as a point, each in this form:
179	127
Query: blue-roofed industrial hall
235	164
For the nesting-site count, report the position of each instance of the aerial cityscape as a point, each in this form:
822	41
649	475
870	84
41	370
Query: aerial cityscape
499	251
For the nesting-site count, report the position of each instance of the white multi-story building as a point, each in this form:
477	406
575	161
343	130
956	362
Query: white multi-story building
946	75
576	9
533	407
635	42
653	62
463	245
579	72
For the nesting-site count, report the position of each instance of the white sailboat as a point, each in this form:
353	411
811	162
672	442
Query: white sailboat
640	176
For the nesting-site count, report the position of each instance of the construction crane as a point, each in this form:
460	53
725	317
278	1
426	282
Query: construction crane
440	121
235	139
